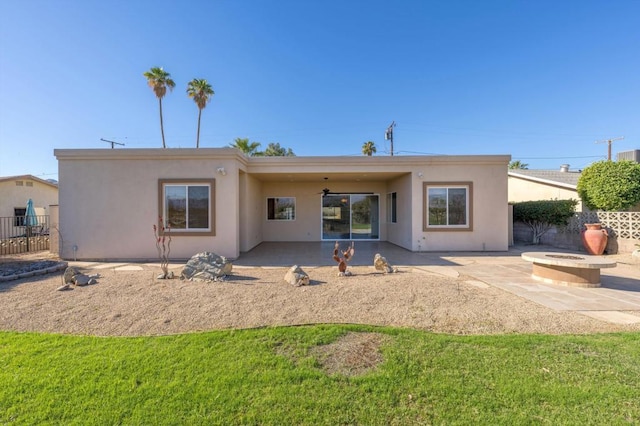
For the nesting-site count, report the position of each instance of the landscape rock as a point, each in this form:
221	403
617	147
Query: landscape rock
82	279
169	276
296	276
64	287
69	273
381	264
206	266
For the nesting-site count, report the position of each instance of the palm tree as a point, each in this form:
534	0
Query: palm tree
249	148
369	148
201	92
159	80
517	164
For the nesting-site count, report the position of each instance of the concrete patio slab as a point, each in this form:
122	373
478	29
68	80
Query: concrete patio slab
129	268
614	317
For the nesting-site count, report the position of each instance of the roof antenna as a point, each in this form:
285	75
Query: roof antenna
111	142
609	141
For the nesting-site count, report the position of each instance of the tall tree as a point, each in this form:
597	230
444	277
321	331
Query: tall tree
517	164
248	148
159	80
201	92
369	148
275	150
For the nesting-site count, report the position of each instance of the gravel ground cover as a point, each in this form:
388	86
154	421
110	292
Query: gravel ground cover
132	303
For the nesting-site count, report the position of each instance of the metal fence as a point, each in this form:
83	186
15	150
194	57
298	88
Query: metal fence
19	234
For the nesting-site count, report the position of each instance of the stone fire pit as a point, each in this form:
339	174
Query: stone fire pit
567	269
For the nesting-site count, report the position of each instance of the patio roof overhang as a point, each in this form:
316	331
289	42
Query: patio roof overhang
353	169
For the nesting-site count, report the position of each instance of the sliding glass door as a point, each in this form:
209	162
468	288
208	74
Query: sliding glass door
350	217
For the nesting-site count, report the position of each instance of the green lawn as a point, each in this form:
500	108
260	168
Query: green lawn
270	376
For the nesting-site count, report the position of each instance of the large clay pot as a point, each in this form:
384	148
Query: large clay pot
594	238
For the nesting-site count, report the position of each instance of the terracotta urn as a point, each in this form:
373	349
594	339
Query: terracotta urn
594	238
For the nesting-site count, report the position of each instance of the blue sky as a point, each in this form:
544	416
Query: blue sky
539	80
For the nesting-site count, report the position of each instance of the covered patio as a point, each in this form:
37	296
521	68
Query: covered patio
314	253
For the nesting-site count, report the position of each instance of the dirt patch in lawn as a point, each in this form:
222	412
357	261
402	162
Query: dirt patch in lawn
353	354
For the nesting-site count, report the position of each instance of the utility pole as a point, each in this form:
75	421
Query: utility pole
388	135
111	142
609	141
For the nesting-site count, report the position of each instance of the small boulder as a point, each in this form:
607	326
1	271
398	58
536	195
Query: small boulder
168	276
69	273
64	287
206	266
381	264
296	276
81	279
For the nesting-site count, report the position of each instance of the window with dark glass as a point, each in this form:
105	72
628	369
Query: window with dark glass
18	216
281	208
392	207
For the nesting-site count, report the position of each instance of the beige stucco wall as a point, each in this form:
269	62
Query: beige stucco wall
527	190
308	223
109	199
490	209
12	196
251	208
399	233
54	222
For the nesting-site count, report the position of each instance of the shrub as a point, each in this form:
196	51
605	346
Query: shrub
541	215
609	185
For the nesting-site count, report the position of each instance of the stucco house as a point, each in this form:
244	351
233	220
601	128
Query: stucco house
533	185
15	191
218	199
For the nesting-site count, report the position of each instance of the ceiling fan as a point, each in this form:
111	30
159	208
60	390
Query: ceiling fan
327	191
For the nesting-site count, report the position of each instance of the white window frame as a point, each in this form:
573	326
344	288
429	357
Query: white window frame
467	186
162	205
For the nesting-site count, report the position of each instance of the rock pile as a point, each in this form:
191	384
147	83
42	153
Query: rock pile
72	276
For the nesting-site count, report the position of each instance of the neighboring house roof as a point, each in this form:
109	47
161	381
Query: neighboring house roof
28	177
566	179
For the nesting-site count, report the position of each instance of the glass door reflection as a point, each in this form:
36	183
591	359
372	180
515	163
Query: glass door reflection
350	216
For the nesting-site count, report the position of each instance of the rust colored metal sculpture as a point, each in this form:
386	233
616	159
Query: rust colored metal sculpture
346	256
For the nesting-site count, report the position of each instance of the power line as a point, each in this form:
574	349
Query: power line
609	141
555	158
